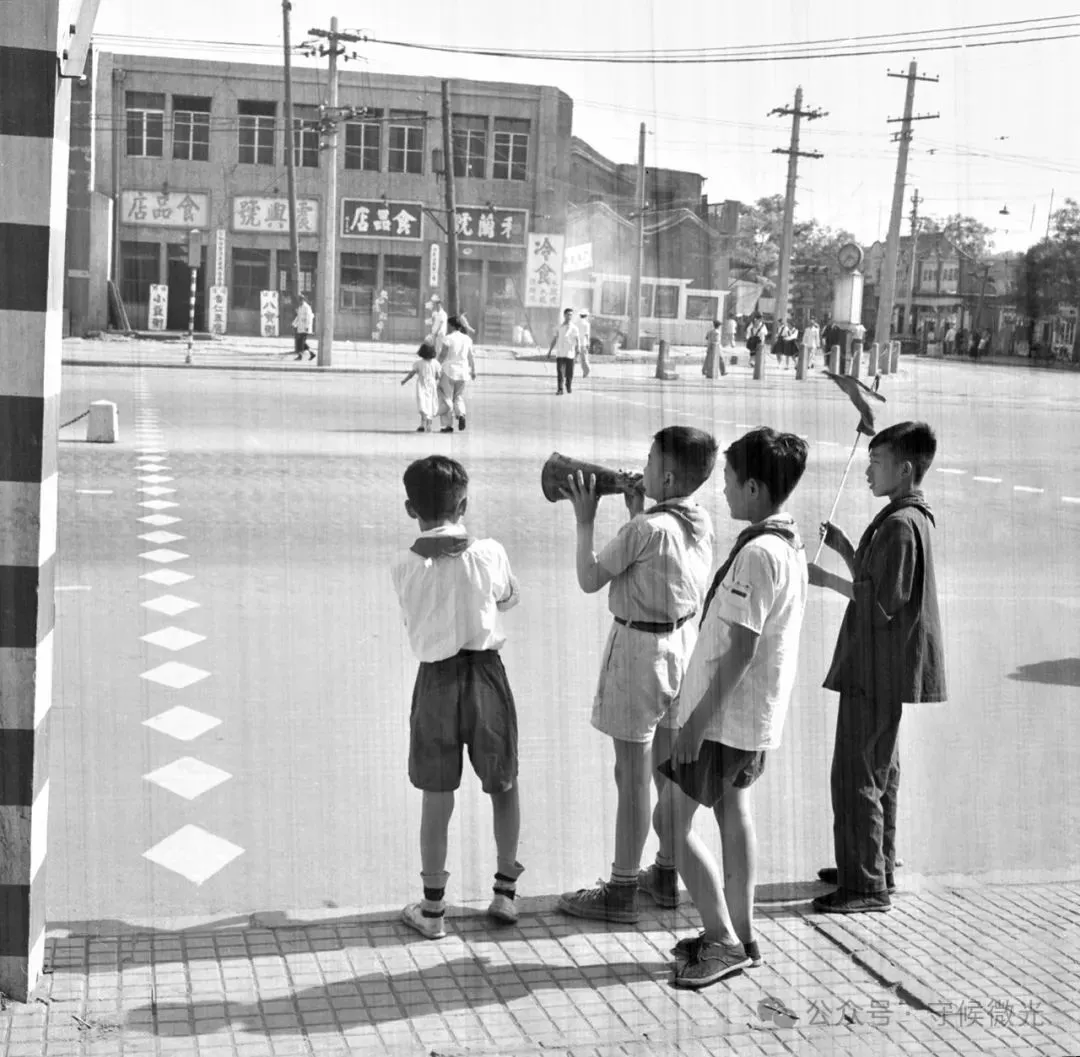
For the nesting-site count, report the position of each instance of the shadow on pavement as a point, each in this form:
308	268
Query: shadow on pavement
1065	672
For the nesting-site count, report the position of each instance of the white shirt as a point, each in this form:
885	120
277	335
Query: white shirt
566	341
765	591
305	318
438	322
457	356
812	337
453	603
584	330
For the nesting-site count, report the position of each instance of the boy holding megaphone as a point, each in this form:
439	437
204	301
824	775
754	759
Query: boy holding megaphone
657	568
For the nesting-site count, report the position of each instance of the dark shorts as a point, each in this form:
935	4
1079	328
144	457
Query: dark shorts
464	700
718	768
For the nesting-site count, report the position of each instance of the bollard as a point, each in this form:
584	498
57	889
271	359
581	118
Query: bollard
800	363
103	425
856	359
834	359
872	367
759	362
663	370
895	365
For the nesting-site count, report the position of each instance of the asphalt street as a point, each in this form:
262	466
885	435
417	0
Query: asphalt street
292	792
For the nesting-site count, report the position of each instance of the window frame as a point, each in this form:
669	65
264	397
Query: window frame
186	119
410	124
151	105
473	161
510	140
370	125
666	290
306	138
245	303
309	274
351	294
254	122
390	265
607	289
136	291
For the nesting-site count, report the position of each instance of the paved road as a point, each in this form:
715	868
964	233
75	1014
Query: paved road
288	494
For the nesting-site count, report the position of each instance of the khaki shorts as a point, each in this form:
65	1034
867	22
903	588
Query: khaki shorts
640	677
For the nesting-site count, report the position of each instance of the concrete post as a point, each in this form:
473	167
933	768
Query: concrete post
856	359
834	359
872	367
800	363
759	362
895	365
103	425
663	367
34	118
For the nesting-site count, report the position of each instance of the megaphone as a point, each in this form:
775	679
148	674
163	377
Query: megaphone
608	482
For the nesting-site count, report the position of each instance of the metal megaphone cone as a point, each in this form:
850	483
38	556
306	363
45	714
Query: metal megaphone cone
608	482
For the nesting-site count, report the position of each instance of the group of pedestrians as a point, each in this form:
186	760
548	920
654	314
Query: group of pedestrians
444	365
785	347
694	684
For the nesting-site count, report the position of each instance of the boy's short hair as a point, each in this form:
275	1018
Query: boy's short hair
692	451
911	441
435	486
776	460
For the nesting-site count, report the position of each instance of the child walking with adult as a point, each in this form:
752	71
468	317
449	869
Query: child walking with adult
458	368
889	653
657	567
426	371
733	702
565	344
452	589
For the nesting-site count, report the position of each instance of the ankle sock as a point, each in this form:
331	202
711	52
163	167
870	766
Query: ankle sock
623	877
663	862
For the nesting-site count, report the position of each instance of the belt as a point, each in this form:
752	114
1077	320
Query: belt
661	628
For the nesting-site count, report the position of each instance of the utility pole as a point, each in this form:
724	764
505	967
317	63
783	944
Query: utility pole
331	116
451	204
633	337
914	247
293	287
883	326
788	232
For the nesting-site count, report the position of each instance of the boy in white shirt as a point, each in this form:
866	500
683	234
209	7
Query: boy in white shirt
452	589
733	701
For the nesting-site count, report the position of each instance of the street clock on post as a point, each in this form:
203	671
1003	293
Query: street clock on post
850	256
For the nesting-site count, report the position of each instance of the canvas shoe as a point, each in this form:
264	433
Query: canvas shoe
685	947
831	876
461	422
606	902
430	928
503	909
662	886
710	962
844	901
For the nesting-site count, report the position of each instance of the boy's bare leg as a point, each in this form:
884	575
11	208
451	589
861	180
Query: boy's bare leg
506	816
674	820
739	843
434	828
633	765
663	740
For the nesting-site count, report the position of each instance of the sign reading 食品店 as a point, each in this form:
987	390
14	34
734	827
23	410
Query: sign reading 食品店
164	209
381	219
262	213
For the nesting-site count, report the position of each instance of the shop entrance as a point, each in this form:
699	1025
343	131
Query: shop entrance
470	276
179	280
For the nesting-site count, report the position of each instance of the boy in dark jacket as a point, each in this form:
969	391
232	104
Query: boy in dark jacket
889	653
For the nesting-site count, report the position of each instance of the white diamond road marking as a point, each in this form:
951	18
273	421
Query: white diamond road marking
155	466
173	638
175	675
160	537
158	504
170	605
988	480
194	853
167	577
157	489
188	777
184	724
156	478
160	519
149	453
163	555
1025	488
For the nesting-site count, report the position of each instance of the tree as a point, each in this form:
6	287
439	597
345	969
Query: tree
967	234
1049	272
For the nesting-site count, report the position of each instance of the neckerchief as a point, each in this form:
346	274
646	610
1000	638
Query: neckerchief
441	546
915	499
763	528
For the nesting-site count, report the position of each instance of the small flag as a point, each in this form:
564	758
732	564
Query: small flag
857	394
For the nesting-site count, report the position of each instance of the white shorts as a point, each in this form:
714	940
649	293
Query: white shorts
640	678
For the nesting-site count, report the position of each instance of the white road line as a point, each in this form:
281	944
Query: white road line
988	480
1026	488
72	587
948	469
94	491
1070	499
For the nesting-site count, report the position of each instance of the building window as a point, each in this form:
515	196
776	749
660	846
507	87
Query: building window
504	282
402	283
139	269
309	270
667	302
406	153
929	273
191	128
305	137
359	274
646	300
256	132
145	125
251	275
613	297
701	306
470	146
511	149
362	142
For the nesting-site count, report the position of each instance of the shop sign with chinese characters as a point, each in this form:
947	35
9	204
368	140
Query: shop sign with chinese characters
492	227
219	309
253	213
379	219
159	305
164	209
543	271
268	313
219	257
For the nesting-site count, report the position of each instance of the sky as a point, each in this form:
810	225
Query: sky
1006	137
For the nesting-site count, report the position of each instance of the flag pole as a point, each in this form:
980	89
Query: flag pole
836	501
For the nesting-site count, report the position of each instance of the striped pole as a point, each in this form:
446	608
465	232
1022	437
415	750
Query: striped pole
191	318
34	118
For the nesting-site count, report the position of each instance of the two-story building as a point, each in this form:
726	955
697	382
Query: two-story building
165	146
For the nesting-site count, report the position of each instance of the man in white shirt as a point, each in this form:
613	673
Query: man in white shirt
458	367
437	334
812	340
303	325
565	346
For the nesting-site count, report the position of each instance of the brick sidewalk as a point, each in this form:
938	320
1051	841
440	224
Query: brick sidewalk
953	970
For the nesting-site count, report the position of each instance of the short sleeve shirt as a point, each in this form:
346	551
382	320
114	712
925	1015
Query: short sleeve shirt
660	573
455	362
765	591
566	340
